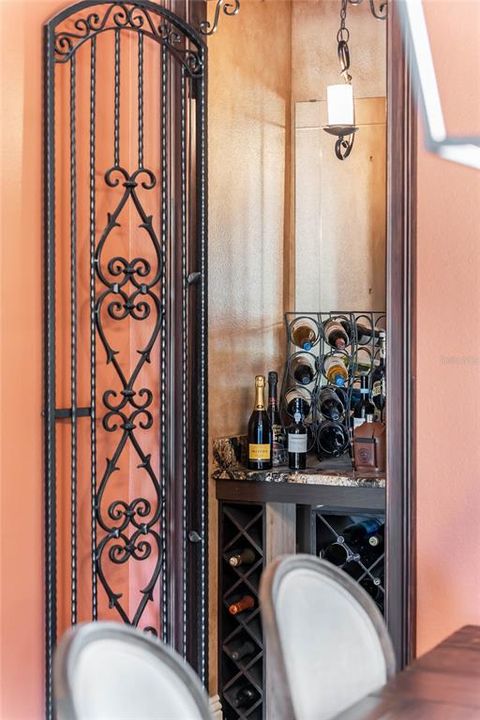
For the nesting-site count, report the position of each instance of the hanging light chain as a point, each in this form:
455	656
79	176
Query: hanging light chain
343	51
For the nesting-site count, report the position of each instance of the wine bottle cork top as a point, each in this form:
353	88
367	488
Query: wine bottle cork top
259	381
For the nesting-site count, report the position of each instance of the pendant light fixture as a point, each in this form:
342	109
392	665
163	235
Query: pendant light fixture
340	105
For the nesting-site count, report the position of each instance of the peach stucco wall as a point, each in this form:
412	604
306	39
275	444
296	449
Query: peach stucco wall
21	358
448	344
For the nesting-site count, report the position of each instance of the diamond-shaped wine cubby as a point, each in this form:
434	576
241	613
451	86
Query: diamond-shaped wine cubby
241	651
355	544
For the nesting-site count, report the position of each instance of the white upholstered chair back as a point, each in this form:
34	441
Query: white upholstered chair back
327	643
108	671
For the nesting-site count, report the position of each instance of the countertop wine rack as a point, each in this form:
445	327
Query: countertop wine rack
242	526
360	356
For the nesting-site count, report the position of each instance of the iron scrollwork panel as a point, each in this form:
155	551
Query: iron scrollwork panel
122	258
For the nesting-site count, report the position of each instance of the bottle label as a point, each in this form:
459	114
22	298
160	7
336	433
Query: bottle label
377	388
297	443
259	452
278	446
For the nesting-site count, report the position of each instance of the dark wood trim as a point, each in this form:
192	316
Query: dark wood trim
401	230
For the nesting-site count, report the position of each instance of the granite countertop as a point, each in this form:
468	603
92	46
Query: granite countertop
228	455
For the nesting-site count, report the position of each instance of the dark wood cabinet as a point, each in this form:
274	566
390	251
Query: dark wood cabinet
274	519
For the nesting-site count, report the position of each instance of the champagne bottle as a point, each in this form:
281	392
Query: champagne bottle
379	380
244	603
302	367
241	557
259	432
304	333
332	439
241	649
336	332
360	532
364	408
330	404
278	435
244	696
335	370
297	439
291	396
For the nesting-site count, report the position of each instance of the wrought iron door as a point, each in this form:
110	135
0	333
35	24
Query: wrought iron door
125	323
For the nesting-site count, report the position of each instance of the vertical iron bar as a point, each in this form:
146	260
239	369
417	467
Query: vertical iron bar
140	100
163	360
201	192
73	337
185	418
93	360
49	370
116	107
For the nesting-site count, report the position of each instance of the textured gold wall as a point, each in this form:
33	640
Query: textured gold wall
249	150
340	206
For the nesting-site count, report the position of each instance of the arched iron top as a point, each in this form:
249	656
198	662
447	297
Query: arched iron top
135	15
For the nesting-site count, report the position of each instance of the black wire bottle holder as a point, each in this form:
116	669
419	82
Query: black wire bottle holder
360	356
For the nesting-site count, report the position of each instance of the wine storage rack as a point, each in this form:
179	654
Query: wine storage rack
361	356
366	565
242	526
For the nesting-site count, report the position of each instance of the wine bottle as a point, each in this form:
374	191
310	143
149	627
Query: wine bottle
379	380
278	436
302	393
332	439
374	589
244	696
364	409
244	603
259	432
304	333
335	370
369	446
365	333
330	404
360	532
336	333
302	368
241	557
376	540
336	553
241	650
297	439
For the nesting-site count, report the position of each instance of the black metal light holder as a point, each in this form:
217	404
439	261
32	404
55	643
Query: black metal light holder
380	14
345	136
228	8
345	132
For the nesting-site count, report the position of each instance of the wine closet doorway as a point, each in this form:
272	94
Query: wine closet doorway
125	324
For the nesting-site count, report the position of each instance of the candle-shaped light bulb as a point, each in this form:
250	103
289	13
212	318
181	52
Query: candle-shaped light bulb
340	108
